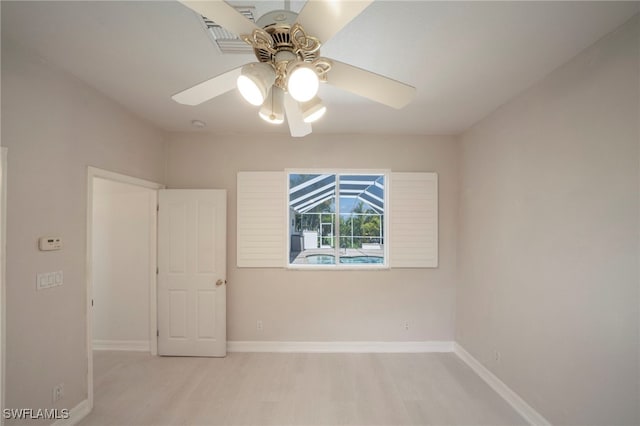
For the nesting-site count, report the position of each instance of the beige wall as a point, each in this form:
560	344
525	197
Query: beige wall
548	247
54	127
123	216
328	305
548	224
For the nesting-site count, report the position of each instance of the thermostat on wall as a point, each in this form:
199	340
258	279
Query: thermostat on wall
49	243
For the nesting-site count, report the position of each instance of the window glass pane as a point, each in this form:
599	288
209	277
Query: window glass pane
362	219
312	204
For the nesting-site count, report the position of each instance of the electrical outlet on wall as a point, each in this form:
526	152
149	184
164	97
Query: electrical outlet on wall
497	356
259	325
406	325
57	392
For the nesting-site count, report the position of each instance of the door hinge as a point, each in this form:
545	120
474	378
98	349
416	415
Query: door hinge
158	207
157	270
157	333
91	302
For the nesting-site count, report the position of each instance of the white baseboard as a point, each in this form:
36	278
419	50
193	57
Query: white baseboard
525	410
343	347
76	414
121	345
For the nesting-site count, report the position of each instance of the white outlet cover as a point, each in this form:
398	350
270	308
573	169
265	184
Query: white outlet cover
58	392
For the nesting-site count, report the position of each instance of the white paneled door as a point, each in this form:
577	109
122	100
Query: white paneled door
192	272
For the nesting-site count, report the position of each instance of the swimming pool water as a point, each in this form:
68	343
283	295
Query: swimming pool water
327	259
362	259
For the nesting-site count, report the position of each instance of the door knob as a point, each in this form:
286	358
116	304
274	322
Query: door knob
220	282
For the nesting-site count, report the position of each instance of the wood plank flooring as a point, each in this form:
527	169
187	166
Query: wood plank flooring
133	388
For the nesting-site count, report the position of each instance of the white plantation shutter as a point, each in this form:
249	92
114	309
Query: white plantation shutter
261	215
262	228
413	219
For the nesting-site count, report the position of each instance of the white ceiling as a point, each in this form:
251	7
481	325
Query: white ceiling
464	58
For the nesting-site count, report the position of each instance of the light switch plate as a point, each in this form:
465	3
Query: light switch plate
42	281
49	279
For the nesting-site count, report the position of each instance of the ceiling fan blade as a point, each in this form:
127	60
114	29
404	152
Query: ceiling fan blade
297	126
324	18
222	14
208	89
370	85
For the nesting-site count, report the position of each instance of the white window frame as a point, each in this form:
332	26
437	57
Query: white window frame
339	266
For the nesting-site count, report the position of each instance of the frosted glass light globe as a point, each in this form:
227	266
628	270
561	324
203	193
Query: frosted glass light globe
316	115
303	84
312	110
250	90
254	82
272	117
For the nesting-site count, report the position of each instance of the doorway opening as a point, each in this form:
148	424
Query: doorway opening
121	265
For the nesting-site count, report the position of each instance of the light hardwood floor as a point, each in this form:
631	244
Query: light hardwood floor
292	389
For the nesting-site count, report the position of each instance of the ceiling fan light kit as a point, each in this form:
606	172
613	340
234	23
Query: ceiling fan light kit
303	82
255	81
286	80
313	110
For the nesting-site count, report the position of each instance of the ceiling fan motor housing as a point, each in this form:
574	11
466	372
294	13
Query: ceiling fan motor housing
277	17
278	24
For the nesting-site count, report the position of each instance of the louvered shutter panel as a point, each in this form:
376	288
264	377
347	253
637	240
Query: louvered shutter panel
261	220
413	219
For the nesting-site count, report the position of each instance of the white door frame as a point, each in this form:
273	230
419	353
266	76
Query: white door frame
92	173
3	269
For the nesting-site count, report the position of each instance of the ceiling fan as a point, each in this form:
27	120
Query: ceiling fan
286	78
